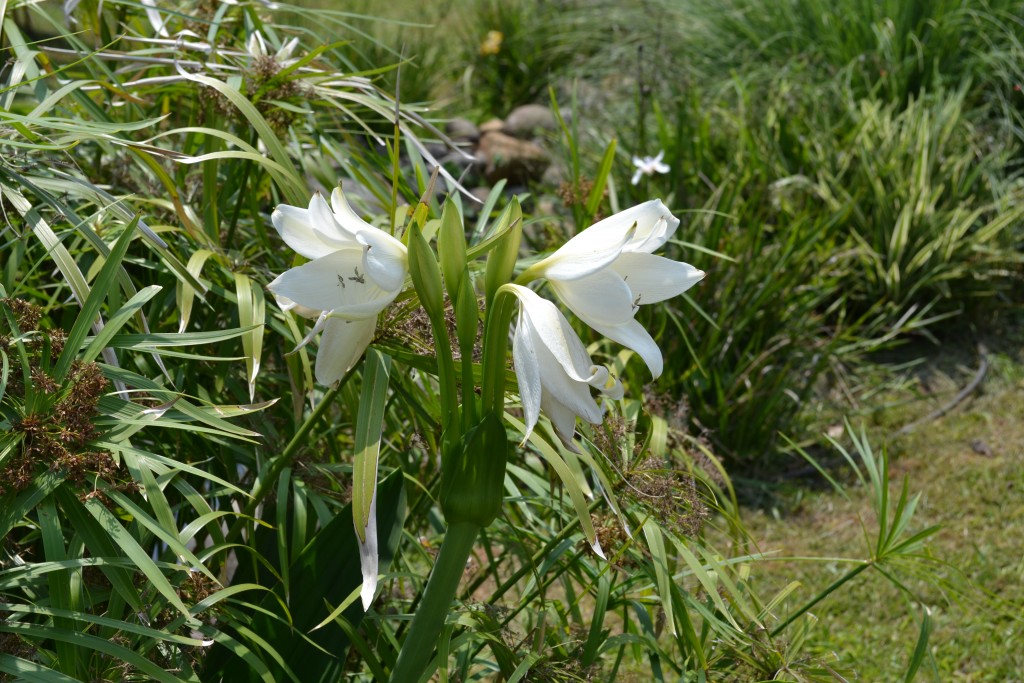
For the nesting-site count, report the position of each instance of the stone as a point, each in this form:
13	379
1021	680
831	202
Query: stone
462	130
529	119
511	159
492	126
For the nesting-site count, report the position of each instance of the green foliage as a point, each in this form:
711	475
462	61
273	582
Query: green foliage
179	499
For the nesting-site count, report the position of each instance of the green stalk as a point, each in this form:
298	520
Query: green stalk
436	602
821	596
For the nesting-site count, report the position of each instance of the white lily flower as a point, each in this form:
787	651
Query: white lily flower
605	273
553	368
355	271
649	166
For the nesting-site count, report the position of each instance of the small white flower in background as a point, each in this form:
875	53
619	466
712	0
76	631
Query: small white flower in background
355	271
649	166
605	273
554	370
257	47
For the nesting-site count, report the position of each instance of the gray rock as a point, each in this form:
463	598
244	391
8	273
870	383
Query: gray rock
462	130
529	119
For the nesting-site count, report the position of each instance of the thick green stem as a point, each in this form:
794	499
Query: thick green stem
436	602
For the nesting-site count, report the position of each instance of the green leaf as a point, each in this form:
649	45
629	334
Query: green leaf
251	315
91	307
328	571
369	425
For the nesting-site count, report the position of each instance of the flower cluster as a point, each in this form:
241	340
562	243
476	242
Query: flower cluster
603	275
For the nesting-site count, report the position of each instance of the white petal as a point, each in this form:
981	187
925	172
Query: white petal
385	258
558	386
345	215
654	225
524	360
585	254
602	380
294	226
341	346
544	324
317	328
636	176
368	556
286	304
599	299
562	419
632	335
657	159
654	278
661	168
332	283
326	228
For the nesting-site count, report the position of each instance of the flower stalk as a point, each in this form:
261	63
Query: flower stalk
436	602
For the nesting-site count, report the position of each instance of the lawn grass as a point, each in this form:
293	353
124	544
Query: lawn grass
968	466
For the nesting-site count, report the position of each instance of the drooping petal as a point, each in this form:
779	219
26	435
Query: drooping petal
655	278
548	327
632	335
603	298
636	176
524	361
603	381
317	328
567	391
341	346
333	283
563	419
295	228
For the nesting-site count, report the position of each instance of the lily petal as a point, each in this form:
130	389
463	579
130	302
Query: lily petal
545	325
295	228
326	228
332	283
384	258
572	394
603	298
524	360
646	217
341	346
632	335
585	254
286	304
655	278
563	420
346	215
